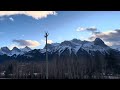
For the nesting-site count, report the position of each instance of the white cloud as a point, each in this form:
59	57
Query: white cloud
30	43
111	38
80	29
91	29
108	43
48	41
11	19
35	14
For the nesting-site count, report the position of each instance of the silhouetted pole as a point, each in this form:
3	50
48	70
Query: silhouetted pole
46	35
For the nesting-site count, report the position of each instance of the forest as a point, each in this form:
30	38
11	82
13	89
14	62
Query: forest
62	68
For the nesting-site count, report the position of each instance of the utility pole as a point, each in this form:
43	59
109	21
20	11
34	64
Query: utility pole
46	35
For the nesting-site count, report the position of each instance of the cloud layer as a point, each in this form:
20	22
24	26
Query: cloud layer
30	43
34	14
91	29
111	37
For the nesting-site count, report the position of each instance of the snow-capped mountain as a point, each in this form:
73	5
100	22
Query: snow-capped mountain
26	49
74	49
5	50
67	49
75	44
15	50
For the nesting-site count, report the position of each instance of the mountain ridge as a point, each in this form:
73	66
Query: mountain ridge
73	46
15	50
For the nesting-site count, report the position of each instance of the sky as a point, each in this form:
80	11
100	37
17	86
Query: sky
27	28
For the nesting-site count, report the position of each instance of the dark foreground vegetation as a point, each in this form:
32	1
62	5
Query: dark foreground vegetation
59	69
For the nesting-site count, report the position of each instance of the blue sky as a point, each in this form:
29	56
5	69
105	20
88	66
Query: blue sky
61	26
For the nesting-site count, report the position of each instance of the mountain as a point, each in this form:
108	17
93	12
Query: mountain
116	47
5	50
68	49
15	50
73	49
76	41
99	42
74	45
71	46
26	49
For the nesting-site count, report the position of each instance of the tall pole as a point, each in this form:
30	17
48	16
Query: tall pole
46	35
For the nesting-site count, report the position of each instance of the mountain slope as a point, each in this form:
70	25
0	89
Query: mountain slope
74	45
26	49
15	50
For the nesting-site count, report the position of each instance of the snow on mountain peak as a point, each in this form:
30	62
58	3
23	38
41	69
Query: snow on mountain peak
75	45
76	41
25	49
15	50
4	50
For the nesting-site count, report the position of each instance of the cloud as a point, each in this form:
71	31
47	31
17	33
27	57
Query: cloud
35	14
91	29
48	41
110	37
109	43
11	19
81	29
96	32
30	43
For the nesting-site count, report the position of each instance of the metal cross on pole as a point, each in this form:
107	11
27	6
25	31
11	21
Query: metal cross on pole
46	35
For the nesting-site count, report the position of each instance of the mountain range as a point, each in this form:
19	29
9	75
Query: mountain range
67	49
15	50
